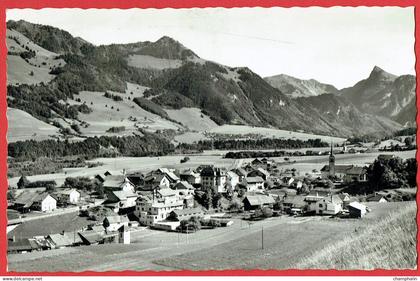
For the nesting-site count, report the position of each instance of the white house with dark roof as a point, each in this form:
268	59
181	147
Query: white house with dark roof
37	201
253	183
69	196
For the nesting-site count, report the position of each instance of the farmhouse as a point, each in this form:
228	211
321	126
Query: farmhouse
67	196
190	176
38	201
152	182
241	173
170	173
113	223
185	214
118	182
232	179
214	178
121	199
253	202
376	198
91	237
22	246
293	204
259	172
253	184
137	178
65	239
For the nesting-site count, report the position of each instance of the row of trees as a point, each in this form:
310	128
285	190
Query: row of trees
147	144
266	143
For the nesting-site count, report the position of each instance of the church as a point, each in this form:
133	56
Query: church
346	173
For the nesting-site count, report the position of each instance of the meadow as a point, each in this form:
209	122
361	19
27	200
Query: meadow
287	243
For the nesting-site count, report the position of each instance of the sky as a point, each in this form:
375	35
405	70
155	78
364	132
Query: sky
338	45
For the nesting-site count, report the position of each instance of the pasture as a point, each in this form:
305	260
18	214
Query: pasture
23	126
287	241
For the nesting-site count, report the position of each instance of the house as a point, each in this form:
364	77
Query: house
22	246
39	201
287	180
101	177
259	172
67	196
118	182
170	174
121	199
232	179
113	223
356	173
65	239
330	205
185	214
257	163
293	204
137	178
357	210
190	176
258	201
241	173
376	198
183	185
154	181
153	210
253	183
214	178
91	237
185	192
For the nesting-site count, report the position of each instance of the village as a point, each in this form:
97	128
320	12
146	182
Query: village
188	200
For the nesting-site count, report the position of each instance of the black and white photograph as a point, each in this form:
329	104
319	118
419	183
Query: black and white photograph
211	139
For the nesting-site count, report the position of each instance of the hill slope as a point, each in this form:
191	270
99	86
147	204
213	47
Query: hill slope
177	79
387	244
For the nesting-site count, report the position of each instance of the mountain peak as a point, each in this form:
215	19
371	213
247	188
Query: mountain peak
379	73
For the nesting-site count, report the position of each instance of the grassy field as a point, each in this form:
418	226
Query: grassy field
108	113
23	126
387	244
19	71
149	62
287	241
192	118
271	133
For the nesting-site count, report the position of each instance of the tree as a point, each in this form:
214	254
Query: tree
267	212
23	182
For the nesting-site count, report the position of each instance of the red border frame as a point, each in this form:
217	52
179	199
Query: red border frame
126	4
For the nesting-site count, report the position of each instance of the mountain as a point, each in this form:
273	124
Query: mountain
386	95
294	87
174	77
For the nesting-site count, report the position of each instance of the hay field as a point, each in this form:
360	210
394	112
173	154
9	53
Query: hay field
387	244
107	113
23	126
192	118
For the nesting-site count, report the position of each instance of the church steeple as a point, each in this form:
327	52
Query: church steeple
332	162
